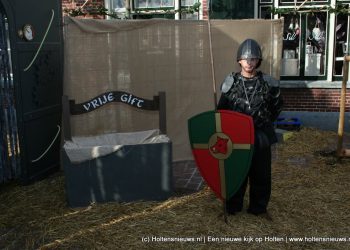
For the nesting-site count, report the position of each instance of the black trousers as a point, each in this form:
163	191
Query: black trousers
259	178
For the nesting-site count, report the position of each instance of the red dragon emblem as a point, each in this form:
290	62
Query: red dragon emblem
220	146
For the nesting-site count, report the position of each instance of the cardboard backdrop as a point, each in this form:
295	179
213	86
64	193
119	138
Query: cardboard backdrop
146	56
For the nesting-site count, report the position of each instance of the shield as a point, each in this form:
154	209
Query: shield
222	144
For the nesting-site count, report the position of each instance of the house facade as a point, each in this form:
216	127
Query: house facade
315	40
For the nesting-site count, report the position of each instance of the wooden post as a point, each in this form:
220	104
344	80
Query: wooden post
162	112
342	106
67	134
225	211
212	63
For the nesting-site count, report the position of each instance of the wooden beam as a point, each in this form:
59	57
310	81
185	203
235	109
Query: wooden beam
67	134
342	106
162	113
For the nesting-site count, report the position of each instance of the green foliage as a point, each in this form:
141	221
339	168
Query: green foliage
338	9
90	10
101	10
191	9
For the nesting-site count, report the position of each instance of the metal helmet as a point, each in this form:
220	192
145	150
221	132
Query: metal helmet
249	49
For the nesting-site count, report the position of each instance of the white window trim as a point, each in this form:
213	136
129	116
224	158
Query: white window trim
177	7
108	7
322	84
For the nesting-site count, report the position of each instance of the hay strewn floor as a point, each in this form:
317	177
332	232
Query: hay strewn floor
310	198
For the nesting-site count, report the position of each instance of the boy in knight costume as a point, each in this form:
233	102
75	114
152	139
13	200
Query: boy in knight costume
256	94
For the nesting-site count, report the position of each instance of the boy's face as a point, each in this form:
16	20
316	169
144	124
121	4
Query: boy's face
249	65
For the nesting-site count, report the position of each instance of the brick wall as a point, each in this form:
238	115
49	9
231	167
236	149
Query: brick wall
315	100
78	3
72	4
205	9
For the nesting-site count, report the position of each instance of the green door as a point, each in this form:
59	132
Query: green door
37	54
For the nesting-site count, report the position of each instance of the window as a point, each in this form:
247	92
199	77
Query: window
188	3
265	12
264	8
291	45
118	5
341	43
316	40
153	4
309	32
147	9
189	16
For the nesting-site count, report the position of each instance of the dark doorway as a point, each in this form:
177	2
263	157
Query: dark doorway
30	130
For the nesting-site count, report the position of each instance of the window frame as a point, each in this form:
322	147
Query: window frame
264	6
339	59
266	1
302	54
314	2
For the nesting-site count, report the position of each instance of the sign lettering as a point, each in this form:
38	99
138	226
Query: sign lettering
290	36
316	37
97	102
129	99
113	97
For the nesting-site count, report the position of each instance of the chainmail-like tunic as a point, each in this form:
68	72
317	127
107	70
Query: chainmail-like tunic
253	97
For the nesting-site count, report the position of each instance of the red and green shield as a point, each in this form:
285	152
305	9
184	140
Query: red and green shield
222	144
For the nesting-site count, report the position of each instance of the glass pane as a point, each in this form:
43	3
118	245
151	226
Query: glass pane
315	48
265	1
167	3
341	43
188	2
265	12
118	4
154	3
229	9
140	3
189	16
291	45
